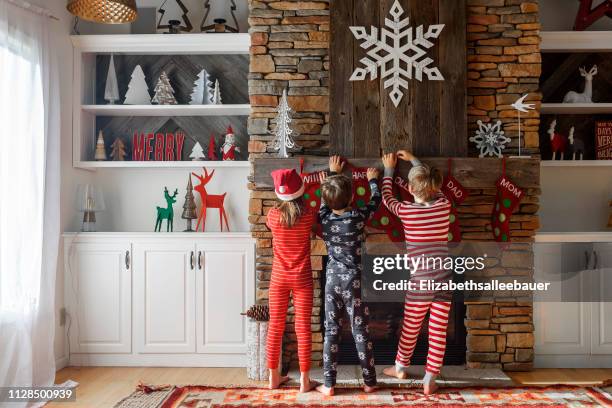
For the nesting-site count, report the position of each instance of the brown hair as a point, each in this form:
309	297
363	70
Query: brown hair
290	211
337	192
425	182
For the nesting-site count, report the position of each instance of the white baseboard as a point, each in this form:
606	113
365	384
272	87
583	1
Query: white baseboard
573	361
61	362
159	360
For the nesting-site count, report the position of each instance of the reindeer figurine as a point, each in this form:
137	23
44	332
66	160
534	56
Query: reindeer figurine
209	201
576	145
557	141
166	213
587	95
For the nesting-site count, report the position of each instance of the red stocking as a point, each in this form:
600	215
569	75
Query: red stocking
508	198
456	194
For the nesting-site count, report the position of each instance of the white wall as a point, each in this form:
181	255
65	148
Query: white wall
131	195
559	15
575	199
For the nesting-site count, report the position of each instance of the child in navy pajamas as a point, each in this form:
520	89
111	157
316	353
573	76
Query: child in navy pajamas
343	232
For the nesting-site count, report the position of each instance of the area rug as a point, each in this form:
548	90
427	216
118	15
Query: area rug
213	397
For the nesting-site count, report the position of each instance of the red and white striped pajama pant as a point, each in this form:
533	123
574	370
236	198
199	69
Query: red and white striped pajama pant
302	303
414	314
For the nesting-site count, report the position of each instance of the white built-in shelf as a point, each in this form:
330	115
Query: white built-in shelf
143	44
576	108
576	41
576	163
168	110
92	165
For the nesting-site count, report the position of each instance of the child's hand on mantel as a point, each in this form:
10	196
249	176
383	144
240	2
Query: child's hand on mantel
336	164
372	173
389	160
405	155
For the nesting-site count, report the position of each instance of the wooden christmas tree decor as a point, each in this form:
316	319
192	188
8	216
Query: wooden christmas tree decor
164	93
100	149
283	140
189	208
212	149
197	153
111	92
203	90
118	150
138	90
216	97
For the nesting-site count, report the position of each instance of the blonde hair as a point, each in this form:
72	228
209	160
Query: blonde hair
290	211
425	182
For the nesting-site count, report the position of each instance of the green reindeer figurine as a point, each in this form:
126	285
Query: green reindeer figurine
166	213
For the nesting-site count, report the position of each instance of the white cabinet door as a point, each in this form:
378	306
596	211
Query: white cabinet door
224	289
562	327
98	296
602	308
164	296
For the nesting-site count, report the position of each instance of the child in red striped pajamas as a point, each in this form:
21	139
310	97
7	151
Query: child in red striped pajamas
426	224
291	223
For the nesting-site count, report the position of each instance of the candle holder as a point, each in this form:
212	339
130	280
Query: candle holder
89	201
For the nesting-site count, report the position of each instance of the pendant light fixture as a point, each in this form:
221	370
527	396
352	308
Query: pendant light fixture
104	11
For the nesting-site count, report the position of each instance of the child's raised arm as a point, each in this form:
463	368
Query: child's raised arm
375	197
394	205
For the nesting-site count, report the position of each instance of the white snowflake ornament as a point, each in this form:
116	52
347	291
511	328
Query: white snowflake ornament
490	139
400	52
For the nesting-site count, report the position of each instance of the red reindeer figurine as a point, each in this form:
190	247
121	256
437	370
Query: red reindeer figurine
209	201
558	142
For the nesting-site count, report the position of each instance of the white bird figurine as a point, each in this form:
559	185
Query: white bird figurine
521	106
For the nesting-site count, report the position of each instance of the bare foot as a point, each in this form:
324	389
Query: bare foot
392	372
368	389
276	380
327	391
429	385
305	384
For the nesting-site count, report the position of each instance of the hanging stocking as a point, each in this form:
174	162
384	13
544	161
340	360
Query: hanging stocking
456	194
508	198
312	192
384	220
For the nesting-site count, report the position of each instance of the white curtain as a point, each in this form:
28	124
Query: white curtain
29	197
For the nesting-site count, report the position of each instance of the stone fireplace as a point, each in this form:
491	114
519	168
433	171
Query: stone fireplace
291	50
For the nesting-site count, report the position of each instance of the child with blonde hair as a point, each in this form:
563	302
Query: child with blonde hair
426	225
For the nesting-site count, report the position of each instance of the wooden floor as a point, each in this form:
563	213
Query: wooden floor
104	386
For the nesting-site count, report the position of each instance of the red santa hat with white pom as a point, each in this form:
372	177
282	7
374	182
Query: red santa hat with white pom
288	185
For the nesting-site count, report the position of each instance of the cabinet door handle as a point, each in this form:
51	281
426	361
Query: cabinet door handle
127	260
587	259
595	260
200	254
192	260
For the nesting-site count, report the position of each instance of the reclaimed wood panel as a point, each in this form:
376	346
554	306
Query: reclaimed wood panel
431	119
472	172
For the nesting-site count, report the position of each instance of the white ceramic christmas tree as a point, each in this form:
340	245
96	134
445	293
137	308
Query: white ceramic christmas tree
216	97
197	153
111	92
100	154
164	93
283	132
203	90
138	90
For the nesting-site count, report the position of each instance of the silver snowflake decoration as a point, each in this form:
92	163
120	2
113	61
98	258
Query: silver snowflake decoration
400	52
490	139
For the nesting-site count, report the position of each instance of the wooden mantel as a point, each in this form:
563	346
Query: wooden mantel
471	172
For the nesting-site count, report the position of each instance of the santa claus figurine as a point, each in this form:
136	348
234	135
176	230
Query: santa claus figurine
230	148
